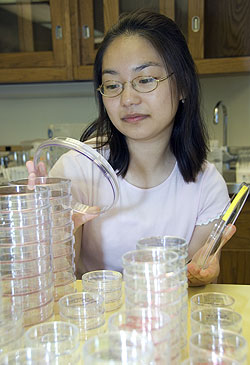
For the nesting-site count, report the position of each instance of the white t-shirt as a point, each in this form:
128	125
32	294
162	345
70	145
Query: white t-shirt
172	208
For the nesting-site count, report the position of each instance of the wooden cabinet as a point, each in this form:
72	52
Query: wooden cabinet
35	41
51	40
218	35
235	256
217	31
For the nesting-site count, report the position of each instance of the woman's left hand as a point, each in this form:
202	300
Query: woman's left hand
196	275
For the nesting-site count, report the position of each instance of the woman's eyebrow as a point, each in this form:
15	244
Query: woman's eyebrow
147	64
110	72
137	68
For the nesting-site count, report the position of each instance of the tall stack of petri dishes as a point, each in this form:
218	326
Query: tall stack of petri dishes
153	280
25	252
11	326
180	246
62	232
152	324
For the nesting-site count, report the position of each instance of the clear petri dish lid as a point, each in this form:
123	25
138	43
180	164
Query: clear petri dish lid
95	186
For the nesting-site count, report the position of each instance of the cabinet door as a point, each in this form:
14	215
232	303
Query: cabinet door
218	35
90	19
35	42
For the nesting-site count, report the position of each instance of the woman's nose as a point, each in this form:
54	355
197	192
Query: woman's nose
129	95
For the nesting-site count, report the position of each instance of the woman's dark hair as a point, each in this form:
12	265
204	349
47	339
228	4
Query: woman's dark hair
188	141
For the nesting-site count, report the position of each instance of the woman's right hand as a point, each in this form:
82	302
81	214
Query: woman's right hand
40	171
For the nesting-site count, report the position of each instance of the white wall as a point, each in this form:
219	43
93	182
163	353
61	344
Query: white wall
27	110
235	93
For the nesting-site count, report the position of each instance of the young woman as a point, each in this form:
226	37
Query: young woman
151	131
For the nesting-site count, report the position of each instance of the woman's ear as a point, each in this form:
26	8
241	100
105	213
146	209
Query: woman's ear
182	98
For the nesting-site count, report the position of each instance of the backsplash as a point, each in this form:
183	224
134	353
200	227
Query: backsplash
28	110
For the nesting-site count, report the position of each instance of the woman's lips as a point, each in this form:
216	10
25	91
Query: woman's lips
134	118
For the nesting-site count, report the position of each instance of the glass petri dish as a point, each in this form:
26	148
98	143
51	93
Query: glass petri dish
98	180
118	347
58	338
28	356
108	284
211	299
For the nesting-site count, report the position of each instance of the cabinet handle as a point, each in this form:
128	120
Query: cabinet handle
59	32
85	31
195	24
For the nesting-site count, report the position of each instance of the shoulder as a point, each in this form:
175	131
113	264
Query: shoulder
208	195
210	177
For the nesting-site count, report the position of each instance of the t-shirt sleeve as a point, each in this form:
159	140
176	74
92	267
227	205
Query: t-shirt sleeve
213	195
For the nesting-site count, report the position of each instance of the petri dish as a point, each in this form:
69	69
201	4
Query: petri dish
108	284
95	176
211	299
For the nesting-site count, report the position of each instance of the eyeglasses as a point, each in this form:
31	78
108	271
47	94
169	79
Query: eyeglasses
142	84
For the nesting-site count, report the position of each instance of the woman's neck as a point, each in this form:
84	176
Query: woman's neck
151	162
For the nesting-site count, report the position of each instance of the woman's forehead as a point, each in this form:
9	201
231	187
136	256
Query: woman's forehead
133	52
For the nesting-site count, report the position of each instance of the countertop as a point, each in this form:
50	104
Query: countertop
241	293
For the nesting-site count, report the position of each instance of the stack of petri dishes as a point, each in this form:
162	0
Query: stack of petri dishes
216	329
152	324
62	232
106	283
180	246
153	280
25	251
86	311
11	326
1	292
